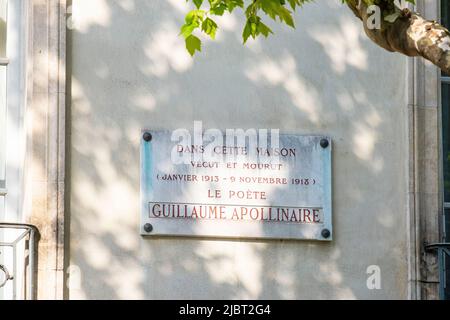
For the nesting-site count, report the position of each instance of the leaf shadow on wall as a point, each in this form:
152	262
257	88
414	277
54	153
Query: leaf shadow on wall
129	71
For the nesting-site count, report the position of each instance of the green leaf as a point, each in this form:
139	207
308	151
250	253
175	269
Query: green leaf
214	3
219	9
247	31
193	20
264	30
286	16
187	29
231	4
255	27
198	3
193	44
194	17
209	27
294	3
275	10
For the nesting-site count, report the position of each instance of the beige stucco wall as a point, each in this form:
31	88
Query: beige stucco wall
130	71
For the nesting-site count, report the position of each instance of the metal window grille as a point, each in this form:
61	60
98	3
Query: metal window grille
18	261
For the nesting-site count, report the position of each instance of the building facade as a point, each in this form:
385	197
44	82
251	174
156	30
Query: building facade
81	79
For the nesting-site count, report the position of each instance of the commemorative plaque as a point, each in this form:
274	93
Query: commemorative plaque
273	187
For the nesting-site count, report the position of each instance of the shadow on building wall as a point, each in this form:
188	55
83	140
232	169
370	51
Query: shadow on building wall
130	71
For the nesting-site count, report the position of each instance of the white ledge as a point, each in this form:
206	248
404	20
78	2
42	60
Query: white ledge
4	61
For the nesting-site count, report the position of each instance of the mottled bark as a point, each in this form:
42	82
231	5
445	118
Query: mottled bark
410	34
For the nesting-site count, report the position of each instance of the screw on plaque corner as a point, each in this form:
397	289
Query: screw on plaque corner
324	143
326	233
148	227
147	136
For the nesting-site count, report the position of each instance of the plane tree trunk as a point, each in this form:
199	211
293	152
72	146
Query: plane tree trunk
409	34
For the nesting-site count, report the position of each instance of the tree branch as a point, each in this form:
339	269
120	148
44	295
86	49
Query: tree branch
410	34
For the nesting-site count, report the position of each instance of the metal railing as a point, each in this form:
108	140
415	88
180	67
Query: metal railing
28	233
443	254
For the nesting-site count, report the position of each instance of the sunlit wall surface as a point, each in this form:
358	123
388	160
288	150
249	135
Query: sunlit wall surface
130	71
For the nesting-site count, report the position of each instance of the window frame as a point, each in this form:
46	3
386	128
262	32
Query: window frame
443	79
444	226
16	51
4	62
